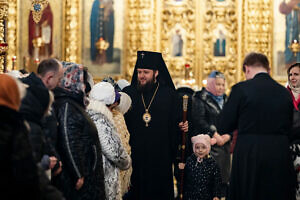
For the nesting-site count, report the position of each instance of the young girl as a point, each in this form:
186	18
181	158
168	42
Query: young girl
202	175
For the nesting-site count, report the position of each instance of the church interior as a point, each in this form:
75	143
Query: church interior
194	36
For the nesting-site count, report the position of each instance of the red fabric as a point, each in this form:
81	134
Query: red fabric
46	16
9	92
234	137
295	102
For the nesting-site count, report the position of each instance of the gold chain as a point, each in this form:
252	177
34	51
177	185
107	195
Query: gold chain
147	109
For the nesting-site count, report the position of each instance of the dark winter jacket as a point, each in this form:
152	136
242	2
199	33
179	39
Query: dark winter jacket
205	112
79	148
18	171
202	179
33	109
49	126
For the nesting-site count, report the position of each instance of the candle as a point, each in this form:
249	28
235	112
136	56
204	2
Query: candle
14	59
37	61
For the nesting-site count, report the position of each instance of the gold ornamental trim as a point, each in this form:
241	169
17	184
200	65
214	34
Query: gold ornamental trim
257	23
3	44
141	30
220	39
3	9
37	8
11	34
178	38
72	31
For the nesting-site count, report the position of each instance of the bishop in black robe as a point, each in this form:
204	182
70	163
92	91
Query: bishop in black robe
154	146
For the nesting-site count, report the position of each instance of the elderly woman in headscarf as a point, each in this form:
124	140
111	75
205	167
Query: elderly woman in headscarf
207	104
294	88
103	99
78	144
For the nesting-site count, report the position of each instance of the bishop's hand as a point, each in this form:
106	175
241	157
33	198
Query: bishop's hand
184	126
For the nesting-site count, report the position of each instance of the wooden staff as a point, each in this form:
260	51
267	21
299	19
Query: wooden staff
184	116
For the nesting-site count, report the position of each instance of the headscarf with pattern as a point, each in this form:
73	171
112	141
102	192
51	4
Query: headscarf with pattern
73	77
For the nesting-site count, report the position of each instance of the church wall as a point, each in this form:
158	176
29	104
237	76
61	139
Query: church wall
194	36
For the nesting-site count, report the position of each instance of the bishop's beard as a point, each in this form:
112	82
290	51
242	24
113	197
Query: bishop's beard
147	87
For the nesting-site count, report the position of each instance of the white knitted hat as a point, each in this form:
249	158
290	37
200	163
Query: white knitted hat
103	92
122	83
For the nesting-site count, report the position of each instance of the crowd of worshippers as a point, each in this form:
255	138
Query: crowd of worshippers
63	136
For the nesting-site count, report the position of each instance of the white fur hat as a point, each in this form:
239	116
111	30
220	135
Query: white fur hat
122	83
103	92
125	103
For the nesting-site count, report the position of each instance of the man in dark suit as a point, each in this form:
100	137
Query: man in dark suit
261	110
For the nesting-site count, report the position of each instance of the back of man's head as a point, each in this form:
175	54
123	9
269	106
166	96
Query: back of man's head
256	60
50	64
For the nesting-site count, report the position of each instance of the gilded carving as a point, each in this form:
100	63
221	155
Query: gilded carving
141	31
11	33
257	27
2	49
3	9
178	38
3	17
220	39
72	27
189	33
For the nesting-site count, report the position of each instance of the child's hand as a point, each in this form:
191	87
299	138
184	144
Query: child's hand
181	165
216	198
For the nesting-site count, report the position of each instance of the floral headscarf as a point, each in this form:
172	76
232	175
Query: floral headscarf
73	77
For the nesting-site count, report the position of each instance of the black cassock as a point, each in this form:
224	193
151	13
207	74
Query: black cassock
261	110
153	147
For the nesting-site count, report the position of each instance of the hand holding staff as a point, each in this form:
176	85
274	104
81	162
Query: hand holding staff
183	145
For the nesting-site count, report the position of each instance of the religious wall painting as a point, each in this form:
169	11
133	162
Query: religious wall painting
219	41
177	41
102	36
40	35
286	32
41	40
